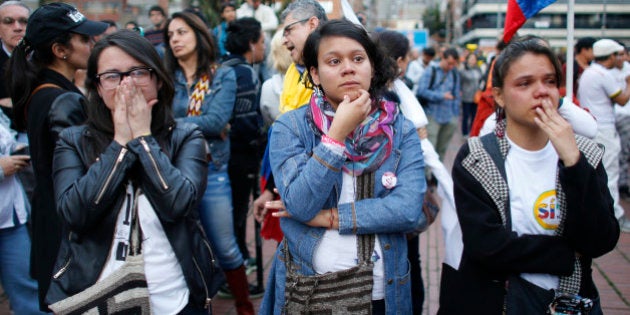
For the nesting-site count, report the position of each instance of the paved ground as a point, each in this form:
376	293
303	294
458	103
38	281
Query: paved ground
611	272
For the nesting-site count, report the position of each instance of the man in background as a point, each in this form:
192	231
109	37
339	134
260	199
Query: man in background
156	34
440	86
598	90
13	19
622	123
15	182
583	58
417	66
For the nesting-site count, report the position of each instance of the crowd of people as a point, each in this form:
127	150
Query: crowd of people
331	135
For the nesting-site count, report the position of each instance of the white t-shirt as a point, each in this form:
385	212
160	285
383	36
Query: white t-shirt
415	68
582	122
621	75
409	105
532	182
597	86
336	252
168	291
270	98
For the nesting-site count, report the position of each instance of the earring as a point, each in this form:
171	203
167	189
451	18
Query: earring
318	91
65	57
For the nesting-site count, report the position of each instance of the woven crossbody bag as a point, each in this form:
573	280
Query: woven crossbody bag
123	291
343	292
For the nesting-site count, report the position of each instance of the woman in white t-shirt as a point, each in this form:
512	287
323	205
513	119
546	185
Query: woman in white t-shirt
531	198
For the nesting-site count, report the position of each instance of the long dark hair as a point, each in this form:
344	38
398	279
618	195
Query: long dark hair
384	68
206	47
99	116
22	72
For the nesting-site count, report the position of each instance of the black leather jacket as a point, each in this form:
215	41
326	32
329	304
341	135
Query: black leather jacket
89	195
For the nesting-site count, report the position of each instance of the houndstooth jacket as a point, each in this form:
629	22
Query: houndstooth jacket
492	251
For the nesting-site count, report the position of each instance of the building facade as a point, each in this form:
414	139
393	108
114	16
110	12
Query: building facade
482	21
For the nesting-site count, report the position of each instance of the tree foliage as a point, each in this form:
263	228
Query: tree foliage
433	20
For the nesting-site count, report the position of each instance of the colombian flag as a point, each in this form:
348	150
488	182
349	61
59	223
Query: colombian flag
518	11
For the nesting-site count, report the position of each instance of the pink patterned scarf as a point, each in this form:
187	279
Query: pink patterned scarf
369	145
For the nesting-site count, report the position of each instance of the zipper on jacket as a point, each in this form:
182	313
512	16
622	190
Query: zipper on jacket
157	170
63	269
121	155
205	285
205	242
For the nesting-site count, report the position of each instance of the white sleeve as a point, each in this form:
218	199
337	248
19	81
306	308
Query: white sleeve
622	110
488	125
454	245
268	19
270	100
583	122
409	105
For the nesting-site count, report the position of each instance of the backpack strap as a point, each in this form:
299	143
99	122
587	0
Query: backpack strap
432	80
37	89
455	78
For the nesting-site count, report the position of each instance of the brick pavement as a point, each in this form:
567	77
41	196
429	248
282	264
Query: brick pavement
611	272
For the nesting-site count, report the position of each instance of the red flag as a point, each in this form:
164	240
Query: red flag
518	11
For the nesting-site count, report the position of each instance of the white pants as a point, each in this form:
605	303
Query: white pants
609	137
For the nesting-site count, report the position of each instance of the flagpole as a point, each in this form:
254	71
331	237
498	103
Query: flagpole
570	28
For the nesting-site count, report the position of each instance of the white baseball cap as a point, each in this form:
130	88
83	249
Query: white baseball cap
606	47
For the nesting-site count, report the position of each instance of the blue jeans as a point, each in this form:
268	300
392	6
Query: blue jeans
15	252
215	211
469	110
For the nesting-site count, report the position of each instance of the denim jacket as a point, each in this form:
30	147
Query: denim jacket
308	177
441	109
216	110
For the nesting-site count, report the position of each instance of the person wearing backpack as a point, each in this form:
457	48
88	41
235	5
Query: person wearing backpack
245	43
439	93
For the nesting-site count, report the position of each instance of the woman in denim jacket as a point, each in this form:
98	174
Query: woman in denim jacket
311	157
204	95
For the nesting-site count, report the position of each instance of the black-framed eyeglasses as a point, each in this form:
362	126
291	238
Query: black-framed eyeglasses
9	20
111	79
288	28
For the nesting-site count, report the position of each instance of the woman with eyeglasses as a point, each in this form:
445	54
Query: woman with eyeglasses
205	94
132	151
41	71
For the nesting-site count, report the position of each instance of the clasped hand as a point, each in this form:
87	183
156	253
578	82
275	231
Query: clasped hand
132	112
